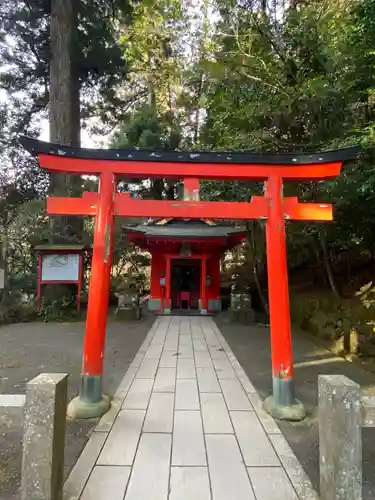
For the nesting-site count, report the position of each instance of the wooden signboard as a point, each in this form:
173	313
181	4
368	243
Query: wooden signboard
60	265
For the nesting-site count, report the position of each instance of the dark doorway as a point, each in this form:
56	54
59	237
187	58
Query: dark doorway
186	277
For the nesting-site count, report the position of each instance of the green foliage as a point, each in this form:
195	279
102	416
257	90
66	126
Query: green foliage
234	75
14	309
59	310
24	79
28	228
146	129
151	46
298	79
281	85
367	295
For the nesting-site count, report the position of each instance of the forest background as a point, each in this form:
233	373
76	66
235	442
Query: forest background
260	75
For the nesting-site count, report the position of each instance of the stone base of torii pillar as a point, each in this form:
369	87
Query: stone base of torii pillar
79	408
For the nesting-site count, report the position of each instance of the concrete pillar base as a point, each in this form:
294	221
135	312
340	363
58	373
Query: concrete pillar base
294	412
79	408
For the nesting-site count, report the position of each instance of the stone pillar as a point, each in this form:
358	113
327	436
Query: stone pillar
44	437
340	440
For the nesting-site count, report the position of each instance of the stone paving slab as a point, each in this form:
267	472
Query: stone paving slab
187	424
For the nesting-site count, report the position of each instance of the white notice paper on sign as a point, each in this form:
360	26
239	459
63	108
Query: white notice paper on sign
60	267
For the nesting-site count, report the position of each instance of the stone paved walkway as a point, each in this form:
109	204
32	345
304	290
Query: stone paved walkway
187	424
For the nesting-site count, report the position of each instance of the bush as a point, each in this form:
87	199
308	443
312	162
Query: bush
59	310
18	308
14	309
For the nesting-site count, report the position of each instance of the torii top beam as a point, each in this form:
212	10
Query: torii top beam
176	165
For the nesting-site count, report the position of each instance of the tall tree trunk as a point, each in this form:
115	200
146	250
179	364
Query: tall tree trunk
203	55
64	106
157	189
4	263
328	266
373	263
197	111
151	85
251	238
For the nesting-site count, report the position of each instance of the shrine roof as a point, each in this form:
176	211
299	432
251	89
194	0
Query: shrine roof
60	248
193	231
36	147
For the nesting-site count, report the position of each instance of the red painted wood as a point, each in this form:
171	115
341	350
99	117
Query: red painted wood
203	282
125	206
71	206
295	210
170	170
213	270
162	301
61	252
100	279
184	296
178	256
39	283
59	282
157	272
168	276
80	280
281	342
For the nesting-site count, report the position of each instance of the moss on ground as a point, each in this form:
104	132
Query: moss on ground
345	323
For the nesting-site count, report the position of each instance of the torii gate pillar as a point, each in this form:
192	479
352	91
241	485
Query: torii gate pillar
91	402
282	404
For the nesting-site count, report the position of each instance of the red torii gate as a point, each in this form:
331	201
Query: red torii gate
242	166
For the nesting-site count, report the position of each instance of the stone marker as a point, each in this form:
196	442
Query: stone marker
44	437
340	441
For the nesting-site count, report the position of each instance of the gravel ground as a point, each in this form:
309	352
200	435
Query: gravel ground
251	345
29	349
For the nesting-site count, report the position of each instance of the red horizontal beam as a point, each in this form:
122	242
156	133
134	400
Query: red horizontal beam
62	282
71	206
295	210
224	171
128	207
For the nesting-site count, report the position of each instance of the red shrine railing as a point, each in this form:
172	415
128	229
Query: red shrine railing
273	170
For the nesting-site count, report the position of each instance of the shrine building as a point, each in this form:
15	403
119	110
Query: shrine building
185	259
185	254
